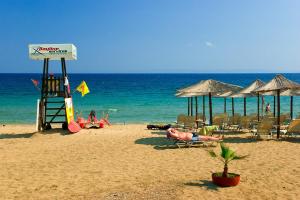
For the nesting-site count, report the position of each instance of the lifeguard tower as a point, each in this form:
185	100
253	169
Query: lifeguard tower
55	105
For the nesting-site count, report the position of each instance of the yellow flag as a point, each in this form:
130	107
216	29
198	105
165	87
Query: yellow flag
83	88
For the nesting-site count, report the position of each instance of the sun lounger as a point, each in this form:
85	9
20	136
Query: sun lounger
264	129
186	122
294	128
188	144
188	139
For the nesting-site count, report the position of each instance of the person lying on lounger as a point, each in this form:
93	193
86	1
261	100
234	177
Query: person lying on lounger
187	136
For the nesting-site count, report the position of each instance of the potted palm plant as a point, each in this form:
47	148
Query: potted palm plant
225	179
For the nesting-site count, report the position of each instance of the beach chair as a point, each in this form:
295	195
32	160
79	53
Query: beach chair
180	121
293	129
264	129
219	121
245	123
233	124
188	144
189	123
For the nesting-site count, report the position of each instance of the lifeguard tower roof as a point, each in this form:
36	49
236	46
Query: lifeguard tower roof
52	51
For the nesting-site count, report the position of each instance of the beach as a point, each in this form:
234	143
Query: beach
131	162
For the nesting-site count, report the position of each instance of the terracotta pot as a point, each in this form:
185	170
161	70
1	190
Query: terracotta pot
232	180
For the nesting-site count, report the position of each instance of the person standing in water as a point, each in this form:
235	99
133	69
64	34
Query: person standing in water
268	108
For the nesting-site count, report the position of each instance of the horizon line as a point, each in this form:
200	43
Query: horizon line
157	72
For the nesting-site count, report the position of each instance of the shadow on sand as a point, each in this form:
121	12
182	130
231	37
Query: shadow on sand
29	135
158	143
15	136
55	131
158	132
239	140
162	143
292	139
204	184
154	141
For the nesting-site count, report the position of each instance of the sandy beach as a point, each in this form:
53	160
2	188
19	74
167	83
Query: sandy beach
130	162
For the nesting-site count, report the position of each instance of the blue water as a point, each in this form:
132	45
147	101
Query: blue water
133	98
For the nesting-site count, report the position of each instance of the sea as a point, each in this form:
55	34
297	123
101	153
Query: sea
129	98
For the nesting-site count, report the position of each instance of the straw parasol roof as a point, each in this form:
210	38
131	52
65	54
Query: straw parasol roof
240	95
290	92
225	94
207	87
185	94
210	86
279	82
248	92
252	87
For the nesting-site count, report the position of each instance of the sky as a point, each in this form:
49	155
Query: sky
154	36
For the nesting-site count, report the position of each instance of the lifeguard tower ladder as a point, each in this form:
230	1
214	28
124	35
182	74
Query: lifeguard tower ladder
53	93
55	89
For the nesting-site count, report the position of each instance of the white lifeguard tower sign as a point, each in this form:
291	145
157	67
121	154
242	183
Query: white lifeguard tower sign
55	91
52	51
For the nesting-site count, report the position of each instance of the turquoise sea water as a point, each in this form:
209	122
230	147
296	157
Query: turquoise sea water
131	98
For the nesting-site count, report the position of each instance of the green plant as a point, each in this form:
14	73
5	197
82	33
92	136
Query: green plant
226	156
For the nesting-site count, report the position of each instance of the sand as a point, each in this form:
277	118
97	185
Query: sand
130	162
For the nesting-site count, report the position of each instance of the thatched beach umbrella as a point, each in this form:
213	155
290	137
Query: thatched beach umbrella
279	83
225	95
209	87
190	96
249	92
291	93
244	96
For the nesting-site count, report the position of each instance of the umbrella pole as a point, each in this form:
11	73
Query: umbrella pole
232	104
196	101
210	110
292	99
191	106
203	107
188	106
224	104
278	113
262	105
274	114
245	109
257	106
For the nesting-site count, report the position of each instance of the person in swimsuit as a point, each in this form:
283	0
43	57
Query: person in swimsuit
188	136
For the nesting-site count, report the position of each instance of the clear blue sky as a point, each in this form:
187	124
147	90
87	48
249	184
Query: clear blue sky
155	36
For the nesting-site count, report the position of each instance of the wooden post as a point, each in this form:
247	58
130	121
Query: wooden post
188	106
292	99
278	114
44	110
64	73
192	106
262	105
232	104
196	118
225	105
274	114
203	108
196	102
210	110
245	108
258	107
43	79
